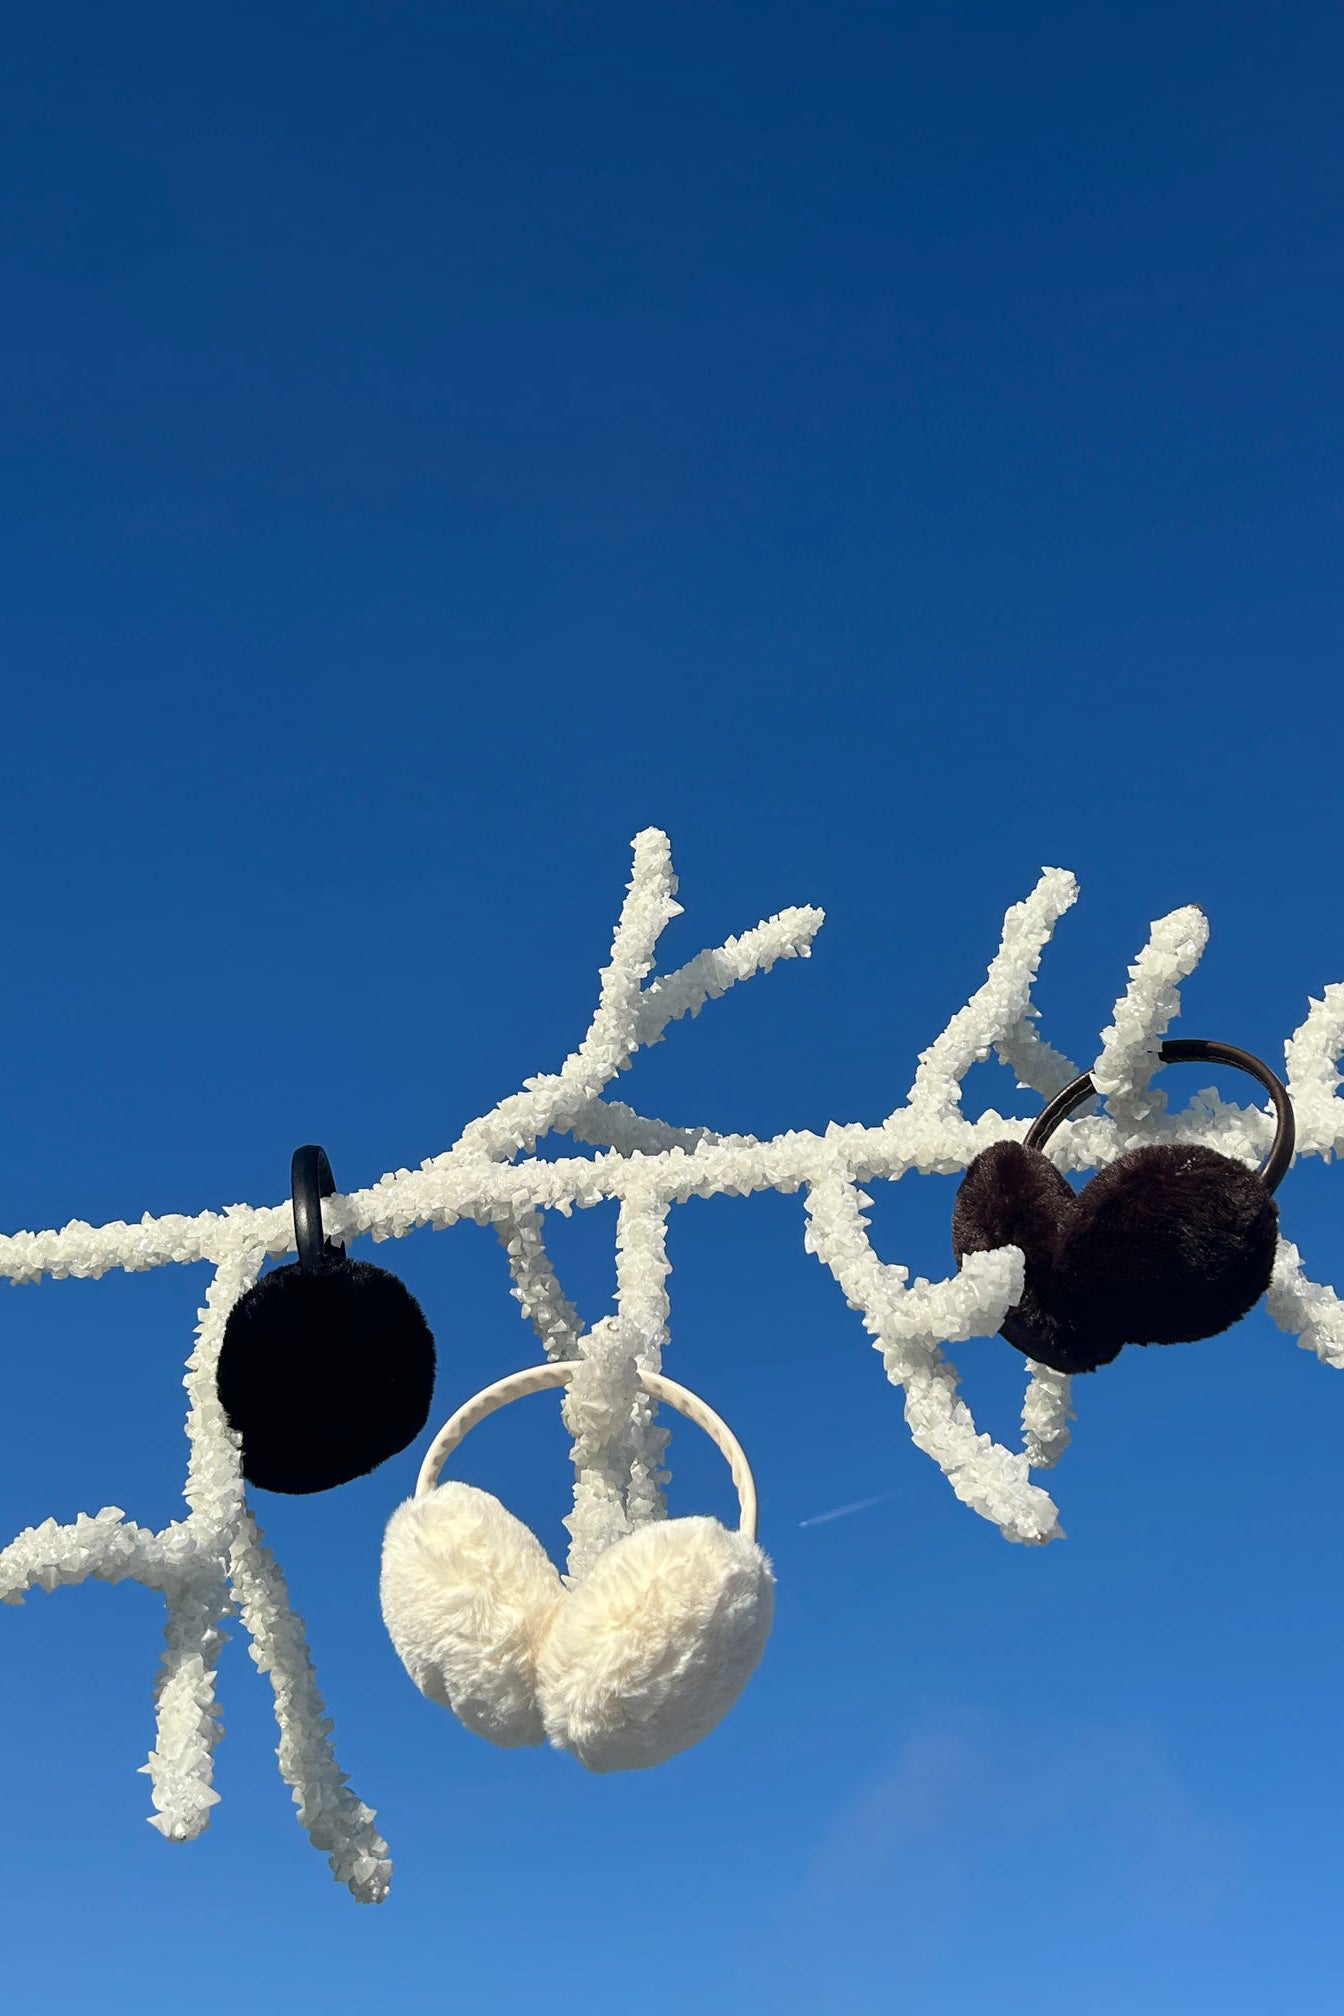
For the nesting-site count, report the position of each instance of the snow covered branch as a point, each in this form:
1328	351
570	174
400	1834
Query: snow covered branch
214	1563
204	1565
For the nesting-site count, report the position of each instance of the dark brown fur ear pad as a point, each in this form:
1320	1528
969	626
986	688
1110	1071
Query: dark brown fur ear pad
1170	1244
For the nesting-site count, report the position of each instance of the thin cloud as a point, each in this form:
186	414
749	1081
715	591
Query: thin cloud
843	1511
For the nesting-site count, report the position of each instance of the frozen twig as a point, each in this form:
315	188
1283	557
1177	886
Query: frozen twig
1307	1309
1143	1014
536	1287
335	1820
999	1006
1046	1413
907	1326
201	1564
214	1561
1312	1057
1035	1063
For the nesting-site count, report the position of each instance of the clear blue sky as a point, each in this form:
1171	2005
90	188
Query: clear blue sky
890	448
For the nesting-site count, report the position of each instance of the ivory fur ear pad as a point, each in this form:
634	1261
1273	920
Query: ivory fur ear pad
634	1664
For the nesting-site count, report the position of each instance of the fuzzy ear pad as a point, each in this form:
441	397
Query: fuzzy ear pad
468	1592
325	1374
1170	1244
638	1662
653	1649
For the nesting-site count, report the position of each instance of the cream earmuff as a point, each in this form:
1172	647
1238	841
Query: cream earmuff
637	1662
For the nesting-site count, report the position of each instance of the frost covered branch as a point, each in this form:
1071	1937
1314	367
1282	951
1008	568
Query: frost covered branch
1312	1056
215	1563
204	1565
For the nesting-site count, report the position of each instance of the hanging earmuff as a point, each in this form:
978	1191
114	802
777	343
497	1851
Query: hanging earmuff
634	1664
327	1364
1171	1243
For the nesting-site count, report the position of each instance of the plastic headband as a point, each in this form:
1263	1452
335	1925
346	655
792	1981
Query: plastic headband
540	1378
1192	1050
310	1180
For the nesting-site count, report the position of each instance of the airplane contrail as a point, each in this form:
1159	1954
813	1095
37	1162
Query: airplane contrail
843	1511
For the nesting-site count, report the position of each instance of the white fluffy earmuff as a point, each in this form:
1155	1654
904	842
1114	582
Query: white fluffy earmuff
637	1662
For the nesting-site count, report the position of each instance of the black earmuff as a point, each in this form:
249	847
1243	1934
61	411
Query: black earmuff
327	1364
1171	1243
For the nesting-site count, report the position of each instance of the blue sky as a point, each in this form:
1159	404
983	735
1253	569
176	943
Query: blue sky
890	449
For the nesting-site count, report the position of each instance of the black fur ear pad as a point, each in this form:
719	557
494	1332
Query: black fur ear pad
1170	1244
325	1372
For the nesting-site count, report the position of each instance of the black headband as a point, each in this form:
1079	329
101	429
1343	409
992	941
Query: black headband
310	1181
1191	1050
